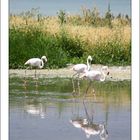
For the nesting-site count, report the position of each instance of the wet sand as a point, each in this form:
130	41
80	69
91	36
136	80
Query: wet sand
119	73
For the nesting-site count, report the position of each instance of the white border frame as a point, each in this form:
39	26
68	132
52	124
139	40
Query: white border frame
5	81
135	70
4	70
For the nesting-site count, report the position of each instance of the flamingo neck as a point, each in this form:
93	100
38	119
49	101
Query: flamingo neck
88	64
104	76
42	64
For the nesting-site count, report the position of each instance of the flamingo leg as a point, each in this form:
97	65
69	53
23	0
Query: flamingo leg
74	75
78	84
73	82
78	87
73	85
25	77
94	93
26	70
35	73
88	88
78	79
36	79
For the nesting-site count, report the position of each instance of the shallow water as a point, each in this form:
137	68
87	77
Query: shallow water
46	109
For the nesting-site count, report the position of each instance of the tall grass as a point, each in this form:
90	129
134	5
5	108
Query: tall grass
32	42
69	42
62	48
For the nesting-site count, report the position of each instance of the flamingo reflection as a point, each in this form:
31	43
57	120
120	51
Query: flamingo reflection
35	109
89	127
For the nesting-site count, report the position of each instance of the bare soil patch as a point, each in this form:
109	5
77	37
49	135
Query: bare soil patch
116	73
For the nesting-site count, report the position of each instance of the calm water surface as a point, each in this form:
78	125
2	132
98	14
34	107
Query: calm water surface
48	110
51	7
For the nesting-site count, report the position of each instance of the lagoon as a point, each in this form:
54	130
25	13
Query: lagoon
46	111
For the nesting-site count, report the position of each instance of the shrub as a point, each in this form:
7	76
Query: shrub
31	42
67	43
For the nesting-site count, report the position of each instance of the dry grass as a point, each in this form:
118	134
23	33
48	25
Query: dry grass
75	41
88	34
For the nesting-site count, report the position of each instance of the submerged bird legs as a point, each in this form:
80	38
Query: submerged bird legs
78	83
87	89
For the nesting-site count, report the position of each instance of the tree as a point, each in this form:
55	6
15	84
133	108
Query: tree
62	16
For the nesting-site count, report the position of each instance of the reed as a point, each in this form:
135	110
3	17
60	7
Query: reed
67	42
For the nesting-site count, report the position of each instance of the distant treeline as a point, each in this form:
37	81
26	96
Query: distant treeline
87	17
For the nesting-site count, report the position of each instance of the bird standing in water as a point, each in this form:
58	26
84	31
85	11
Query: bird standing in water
81	68
36	63
95	75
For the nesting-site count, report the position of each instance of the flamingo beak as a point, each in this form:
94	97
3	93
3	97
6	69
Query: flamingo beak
108	73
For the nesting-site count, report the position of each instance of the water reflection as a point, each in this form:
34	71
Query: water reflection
88	125
37	109
53	108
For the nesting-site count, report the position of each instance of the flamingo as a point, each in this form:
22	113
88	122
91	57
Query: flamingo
81	68
95	75
36	63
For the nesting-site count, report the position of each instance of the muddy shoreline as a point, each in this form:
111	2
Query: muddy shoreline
117	73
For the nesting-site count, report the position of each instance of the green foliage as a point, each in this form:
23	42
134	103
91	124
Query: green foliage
112	53
57	57
72	46
61	49
33	43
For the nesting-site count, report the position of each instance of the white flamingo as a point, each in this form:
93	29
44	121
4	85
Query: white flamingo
95	75
36	63
81	68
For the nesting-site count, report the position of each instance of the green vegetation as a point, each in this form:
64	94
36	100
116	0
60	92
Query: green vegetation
70	39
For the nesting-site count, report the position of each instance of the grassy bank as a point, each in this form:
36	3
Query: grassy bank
68	42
